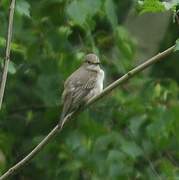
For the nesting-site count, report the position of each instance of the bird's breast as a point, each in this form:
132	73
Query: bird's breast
100	79
99	83
98	86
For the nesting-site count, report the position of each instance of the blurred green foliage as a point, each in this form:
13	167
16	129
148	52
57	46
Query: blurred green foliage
130	134
177	45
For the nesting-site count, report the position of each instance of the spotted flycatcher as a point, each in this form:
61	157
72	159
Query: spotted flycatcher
83	84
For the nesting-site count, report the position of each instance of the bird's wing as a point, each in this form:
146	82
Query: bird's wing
83	90
75	92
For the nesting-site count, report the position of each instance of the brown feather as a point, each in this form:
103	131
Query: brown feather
76	88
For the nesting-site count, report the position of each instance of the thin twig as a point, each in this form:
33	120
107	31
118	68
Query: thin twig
106	91
8	49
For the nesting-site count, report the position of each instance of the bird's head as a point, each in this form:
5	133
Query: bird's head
91	61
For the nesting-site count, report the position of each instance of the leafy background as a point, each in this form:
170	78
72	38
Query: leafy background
130	134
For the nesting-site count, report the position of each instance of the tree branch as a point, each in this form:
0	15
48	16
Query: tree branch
108	89
8	49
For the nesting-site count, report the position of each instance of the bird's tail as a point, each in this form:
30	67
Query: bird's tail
62	119
66	112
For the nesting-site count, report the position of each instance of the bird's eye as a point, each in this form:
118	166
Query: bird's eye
89	62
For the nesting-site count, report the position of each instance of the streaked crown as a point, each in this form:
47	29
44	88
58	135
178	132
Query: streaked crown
92	59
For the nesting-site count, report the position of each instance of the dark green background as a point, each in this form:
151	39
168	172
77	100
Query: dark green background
133	133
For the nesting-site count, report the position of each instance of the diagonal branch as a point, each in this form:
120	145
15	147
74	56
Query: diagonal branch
106	91
8	49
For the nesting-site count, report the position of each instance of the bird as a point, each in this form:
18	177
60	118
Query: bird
83	84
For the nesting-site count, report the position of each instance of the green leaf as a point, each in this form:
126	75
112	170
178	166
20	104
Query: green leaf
77	14
91	7
177	45
131	148
6	142
14	46
110	12
115	155
65	31
47	89
23	8
79	11
159	130
73	165
103	142
151	6
136	123
157	90
11	68
125	43
167	168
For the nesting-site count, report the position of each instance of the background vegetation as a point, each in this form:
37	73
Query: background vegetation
132	133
